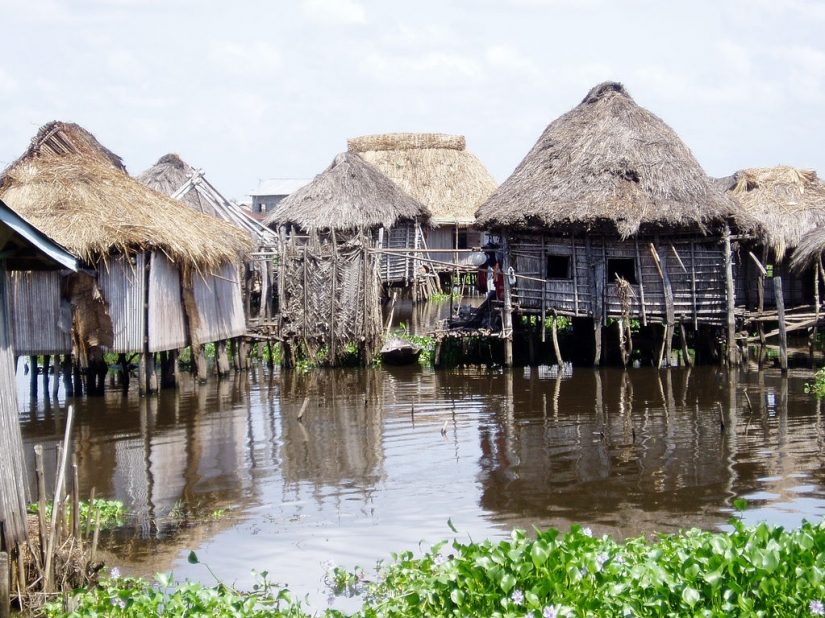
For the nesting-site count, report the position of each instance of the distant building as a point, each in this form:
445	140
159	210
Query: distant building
271	191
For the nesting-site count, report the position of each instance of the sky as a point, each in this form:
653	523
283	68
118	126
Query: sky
254	89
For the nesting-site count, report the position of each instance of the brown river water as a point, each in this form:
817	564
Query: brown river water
382	459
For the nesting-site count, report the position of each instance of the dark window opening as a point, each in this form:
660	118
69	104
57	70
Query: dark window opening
558	267
621	267
460	240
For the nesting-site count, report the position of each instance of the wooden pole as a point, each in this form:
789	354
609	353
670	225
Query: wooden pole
783	335
507	322
222	358
555	333
685	350
812	341
151	374
733	350
58	499
40	472
5	580
33	377
68	386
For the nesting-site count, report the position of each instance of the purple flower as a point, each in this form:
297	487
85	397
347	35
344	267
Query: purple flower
817	608
330	565
587	532
118	602
114	573
517	597
601	559
439	560
549	612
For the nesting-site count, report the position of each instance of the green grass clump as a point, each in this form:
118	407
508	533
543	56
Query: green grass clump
112	512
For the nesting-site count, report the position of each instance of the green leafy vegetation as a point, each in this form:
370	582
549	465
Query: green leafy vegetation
755	571
818	386
112	512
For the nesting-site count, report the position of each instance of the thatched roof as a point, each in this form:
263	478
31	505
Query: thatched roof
809	250
787	202
350	194
168	175
434	168
608	165
174	177
79	193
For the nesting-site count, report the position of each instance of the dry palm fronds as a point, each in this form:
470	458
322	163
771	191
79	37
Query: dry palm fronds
434	168
611	165
350	194
788	202
168	175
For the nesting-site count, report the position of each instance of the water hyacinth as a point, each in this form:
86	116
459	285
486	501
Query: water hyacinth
755	571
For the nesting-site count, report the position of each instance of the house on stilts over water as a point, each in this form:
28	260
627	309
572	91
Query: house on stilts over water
610	218
159	278
438	171
22	247
330	286
788	203
174	177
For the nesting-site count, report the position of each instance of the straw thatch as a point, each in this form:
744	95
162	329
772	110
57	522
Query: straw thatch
79	193
788	202
809	251
168	175
350	194
434	168
612	166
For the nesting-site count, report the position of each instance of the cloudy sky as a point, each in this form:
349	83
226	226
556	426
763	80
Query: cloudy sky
255	89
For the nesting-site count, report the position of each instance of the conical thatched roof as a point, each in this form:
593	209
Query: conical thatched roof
434	168
79	193
350	194
168	175
608	165
787	202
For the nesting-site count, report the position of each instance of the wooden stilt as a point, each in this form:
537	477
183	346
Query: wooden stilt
222	359
812	338
142	376
124	373
169	369
507	321
783	335
555	333
200	363
56	376
33	377
47	363
685	349
151	374
733	350
68	386
665	330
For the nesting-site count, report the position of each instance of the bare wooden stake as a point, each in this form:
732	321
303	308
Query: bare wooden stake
5	580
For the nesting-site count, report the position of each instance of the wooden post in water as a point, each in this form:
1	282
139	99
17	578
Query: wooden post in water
5	580
33	377
780	314
199	356
47	361
507	321
730	293
222	358
151	373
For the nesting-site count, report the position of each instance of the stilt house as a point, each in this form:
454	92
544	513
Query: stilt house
27	248
174	177
610	217
161	280
330	292
788	202
438	171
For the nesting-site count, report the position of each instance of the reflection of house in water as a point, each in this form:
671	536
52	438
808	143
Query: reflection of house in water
338	439
153	453
623	448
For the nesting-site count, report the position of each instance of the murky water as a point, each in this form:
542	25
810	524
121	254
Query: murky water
381	459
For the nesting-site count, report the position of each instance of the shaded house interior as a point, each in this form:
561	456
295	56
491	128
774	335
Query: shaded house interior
157	282
610	217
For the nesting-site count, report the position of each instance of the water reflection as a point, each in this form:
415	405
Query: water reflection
354	464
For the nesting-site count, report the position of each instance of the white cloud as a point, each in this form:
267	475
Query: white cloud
335	11
255	58
510	59
429	68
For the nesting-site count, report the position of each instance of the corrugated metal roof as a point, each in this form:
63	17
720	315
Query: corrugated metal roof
279	186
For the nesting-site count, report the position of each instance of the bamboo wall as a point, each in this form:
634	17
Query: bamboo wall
41	320
396	268
695	269
444	237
